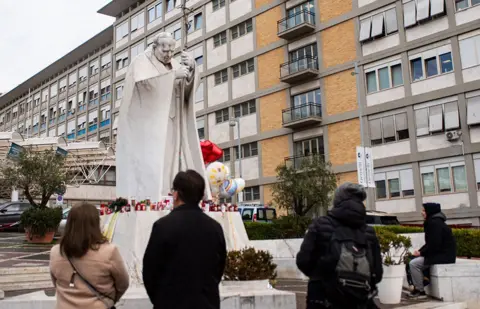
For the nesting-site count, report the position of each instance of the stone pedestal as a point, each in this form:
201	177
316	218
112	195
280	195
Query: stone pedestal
130	231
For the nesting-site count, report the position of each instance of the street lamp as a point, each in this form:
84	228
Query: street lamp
233	122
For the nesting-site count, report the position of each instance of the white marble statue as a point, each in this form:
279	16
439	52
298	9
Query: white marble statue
153	129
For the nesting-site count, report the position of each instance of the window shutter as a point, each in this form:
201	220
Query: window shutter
401	122
375	129
365	29
409	14
423	9
377	25
473	111
388	127
452	120
435	118
391	21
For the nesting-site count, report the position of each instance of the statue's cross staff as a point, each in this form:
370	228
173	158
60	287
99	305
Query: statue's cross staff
181	96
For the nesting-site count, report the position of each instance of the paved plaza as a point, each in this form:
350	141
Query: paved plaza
16	252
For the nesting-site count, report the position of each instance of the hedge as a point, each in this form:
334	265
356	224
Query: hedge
468	240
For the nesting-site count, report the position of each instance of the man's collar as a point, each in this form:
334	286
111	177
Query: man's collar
187	207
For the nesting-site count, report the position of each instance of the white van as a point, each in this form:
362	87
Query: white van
257	213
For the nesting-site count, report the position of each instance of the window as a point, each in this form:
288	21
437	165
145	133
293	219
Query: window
473	109
394	184
119	92
444	178
226	155
300	14
177	34
220	39
105	93
308	147
384	77
222	115
244	109
197	23
82	74
106	61
476	163
302	59
122	60
470	51
201	128
389	129
306	98
62	85
251	193
242	29
378	25
243	68
418	11
137	22
217	4
430	66
94	68
199	60
122	31
171	4
248	150
137	49
465	4
221	77
437	118
155	12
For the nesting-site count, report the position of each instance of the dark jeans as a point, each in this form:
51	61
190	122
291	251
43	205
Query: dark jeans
316	299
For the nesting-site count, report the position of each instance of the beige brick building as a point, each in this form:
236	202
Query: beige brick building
285	71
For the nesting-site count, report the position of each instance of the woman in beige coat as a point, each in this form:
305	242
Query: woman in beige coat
84	252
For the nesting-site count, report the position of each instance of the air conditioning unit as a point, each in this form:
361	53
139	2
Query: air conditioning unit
453	135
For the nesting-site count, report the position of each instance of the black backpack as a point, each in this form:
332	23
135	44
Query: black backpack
349	262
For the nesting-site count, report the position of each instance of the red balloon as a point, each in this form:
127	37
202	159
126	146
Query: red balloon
210	152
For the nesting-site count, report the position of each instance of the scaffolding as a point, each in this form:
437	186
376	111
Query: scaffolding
86	162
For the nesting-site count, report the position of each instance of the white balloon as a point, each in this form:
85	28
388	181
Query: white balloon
227	176
240	184
216	173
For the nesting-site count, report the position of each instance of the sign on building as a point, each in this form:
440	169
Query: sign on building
365	167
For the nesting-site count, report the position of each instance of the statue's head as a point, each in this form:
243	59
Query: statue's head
163	47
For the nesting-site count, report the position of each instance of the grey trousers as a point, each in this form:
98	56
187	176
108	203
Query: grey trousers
417	266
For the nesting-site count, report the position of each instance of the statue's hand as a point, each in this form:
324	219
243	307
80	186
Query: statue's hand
182	72
187	60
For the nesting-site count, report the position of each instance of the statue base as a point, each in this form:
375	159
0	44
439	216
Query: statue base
130	232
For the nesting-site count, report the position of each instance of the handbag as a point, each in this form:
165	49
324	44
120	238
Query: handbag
101	296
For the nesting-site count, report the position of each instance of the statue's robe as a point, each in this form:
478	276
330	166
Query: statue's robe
148	130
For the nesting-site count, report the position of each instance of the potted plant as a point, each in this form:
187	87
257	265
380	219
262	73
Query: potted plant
249	267
39	174
394	249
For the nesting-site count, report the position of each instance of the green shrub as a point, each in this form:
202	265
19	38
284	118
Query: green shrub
389	240
117	205
282	228
249	264
468	242
41	220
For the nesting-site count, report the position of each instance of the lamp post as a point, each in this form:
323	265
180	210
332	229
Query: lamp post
236	122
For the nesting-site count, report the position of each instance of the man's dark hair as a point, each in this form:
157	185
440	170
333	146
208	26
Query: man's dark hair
190	186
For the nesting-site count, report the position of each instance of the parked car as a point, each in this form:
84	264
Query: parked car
381	218
257	213
10	214
63	223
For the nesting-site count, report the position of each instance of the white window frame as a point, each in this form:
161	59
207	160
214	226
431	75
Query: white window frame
432	131
473	108
249	193
374	25
221	77
396	130
475	47
469	5
154	7
121	31
426	7
376	69
427	169
251	105
434	52
249	67
221	114
217	5
235	31
136	22
387	175
219	39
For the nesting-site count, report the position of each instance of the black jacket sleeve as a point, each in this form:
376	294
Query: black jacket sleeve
153	261
307	257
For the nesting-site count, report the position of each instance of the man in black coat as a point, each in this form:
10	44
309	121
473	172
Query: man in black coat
348	211
440	246
186	254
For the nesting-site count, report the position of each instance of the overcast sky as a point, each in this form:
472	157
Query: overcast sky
36	33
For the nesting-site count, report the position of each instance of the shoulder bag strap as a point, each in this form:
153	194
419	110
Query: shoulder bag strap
98	294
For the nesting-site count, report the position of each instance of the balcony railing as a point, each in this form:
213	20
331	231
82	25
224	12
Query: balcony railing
61	117
93	102
299	69
81	132
105	122
92	127
82	107
299	160
71	136
105	97
302	112
51	121
297	24
43	125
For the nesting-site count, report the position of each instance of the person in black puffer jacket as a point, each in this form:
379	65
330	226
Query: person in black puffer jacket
440	247
348	211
